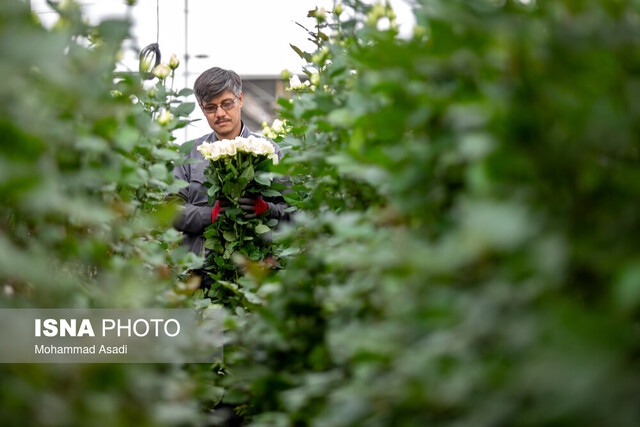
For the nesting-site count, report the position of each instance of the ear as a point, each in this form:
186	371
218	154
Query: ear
240	100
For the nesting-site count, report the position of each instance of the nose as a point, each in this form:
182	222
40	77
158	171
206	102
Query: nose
220	112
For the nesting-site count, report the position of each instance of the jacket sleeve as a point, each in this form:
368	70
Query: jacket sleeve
277	210
277	205
193	219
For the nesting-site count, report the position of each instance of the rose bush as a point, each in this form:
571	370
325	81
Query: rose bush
464	252
84	171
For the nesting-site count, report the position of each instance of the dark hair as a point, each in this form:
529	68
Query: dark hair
214	82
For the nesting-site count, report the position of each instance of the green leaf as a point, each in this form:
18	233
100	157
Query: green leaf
261	229
158	171
184	109
285	103
185	92
237	189
229	235
248	173
233	171
337	71
212	191
297	50
178	183
270	193
214	244
179	124
215	189
165	154
126	138
203	303
343	117
292	198
262	178
186	147
278	186
113	29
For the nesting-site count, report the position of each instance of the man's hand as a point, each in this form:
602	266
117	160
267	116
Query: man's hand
224	204
219	208
252	207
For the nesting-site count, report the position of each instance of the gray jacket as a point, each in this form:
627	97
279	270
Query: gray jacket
197	212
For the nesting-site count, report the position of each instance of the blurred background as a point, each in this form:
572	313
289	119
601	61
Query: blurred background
251	37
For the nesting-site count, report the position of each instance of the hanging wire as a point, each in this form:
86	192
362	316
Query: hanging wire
150	56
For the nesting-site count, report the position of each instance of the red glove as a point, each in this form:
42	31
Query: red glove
252	207
260	206
215	211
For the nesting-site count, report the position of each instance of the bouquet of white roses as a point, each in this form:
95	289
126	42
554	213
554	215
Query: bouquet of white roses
227	149
237	168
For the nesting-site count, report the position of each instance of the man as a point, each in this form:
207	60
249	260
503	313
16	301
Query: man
219	94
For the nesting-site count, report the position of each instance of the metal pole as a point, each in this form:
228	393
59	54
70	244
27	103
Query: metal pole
186	42
186	56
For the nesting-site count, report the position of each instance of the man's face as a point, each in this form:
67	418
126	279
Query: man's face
225	121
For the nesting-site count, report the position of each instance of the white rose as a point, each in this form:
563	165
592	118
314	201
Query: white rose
174	62
295	83
162	71
216	152
165	117
250	144
233	149
265	147
241	144
277	126
259	147
268	147
226	147
321	14
205	149
221	147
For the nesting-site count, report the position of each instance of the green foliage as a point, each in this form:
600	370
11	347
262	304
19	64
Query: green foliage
83	222
466	250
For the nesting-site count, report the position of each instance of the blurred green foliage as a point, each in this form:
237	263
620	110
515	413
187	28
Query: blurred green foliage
85	165
465	251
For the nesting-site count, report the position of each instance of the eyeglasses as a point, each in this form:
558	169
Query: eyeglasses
226	106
